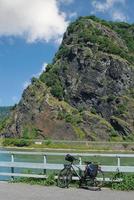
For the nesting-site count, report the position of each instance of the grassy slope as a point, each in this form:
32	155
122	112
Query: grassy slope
4	112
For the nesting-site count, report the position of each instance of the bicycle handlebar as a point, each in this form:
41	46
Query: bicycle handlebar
87	162
70	158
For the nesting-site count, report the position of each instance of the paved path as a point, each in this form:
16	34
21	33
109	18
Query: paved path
10	191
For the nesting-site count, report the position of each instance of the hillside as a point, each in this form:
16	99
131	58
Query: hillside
4	112
87	92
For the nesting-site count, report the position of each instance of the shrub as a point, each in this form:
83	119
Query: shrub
51	78
79	132
25	133
34	80
73	119
113	133
93	110
16	142
48	67
81	109
3	124
22	143
36	181
7	142
127	183
48	142
121	109
57	90
111	98
63	51
30	133
50	180
61	115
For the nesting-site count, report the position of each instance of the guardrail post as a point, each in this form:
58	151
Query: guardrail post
45	162
118	163
80	164
12	168
80	161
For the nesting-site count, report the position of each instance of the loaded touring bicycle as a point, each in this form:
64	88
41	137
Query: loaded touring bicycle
91	178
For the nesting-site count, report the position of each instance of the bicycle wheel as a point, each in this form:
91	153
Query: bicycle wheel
64	178
95	183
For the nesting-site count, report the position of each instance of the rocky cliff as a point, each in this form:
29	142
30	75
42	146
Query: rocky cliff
88	90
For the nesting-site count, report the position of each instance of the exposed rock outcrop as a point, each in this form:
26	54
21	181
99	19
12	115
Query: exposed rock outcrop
88	90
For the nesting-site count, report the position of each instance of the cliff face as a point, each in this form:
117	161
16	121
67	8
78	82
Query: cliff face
87	91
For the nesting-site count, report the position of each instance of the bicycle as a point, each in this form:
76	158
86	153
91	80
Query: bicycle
92	178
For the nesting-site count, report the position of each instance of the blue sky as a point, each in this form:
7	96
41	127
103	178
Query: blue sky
31	31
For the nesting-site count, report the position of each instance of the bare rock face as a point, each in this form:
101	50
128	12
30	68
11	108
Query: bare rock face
88	90
37	115
96	82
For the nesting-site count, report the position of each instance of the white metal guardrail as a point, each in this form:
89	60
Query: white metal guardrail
12	164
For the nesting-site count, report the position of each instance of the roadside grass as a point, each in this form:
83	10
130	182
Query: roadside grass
67	145
127	183
49	181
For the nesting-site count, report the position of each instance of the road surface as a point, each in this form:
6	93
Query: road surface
12	191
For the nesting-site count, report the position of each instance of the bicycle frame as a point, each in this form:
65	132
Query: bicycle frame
73	166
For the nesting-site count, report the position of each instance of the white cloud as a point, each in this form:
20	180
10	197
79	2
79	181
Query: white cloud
58	41
105	6
32	19
66	1
119	16
112	8
43	68
72	15
15	99
26	84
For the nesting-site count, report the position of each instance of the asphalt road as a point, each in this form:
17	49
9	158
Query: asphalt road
13	191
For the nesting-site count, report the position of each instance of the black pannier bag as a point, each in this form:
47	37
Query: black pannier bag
92	170
69	158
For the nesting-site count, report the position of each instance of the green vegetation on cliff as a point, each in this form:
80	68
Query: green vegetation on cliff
4	112
120	41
